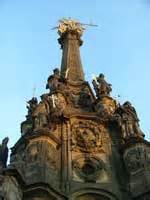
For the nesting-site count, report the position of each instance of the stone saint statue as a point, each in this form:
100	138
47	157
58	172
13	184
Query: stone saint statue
40	114
4	153
31	107
102	88
85	99
129	121
53	81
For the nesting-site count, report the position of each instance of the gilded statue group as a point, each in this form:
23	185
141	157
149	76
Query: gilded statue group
66	25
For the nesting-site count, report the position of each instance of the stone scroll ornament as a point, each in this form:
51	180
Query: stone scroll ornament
3	153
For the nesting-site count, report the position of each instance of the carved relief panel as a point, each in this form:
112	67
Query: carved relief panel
106	107
42	151
90	152
136	159
87	137
89	169
137	163
18	160
43	162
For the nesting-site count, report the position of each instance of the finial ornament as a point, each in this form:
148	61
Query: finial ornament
70	25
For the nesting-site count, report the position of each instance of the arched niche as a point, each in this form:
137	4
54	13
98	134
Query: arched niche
93	194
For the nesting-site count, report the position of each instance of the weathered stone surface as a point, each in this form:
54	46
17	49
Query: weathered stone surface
74	145
10	189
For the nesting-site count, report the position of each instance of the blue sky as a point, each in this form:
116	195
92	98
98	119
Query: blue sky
119	47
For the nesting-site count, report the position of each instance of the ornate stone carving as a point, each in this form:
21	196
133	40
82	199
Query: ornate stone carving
105	107
74	96
1	187
102	88
53	108
88	168
33	152
133	161
128	121
40	115
18	160
49	109
53	81
86	137
85	100
3	153
31	107
42	152
136	159
59	104
27	125
10	189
